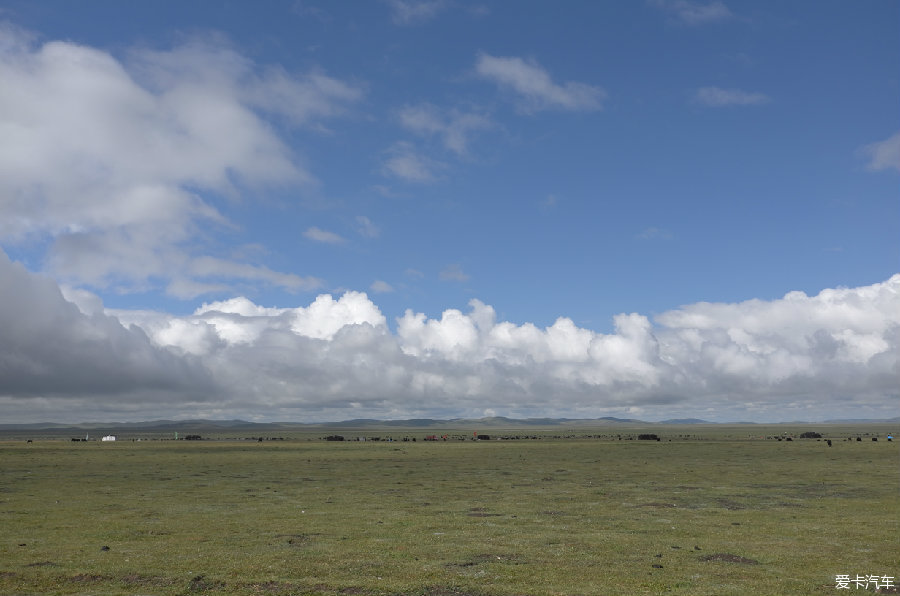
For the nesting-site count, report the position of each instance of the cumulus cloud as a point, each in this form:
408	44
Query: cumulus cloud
884	155
54	353
534	88
716	97
835	354
118	161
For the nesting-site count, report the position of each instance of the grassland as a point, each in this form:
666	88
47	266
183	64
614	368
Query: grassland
706	510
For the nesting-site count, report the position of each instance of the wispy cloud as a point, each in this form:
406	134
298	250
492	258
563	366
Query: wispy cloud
550	201
366	228
324	236
453	273
717	97
381	287
654	233
883	155
534	88
413	12
454	127
695	13
405	162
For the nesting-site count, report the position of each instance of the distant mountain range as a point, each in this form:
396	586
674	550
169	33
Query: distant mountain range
367	423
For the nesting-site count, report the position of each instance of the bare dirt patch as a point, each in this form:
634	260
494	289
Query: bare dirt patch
298	540
201	584
729	558
489	558
730	505
88	578
481	512
448	591
134	579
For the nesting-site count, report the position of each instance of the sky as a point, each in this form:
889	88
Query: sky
321	211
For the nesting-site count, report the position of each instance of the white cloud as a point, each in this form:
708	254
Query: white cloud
453	273
453	126
836	354
211	267
654	233
405	162
51	349
885	154
717	97
381	287
696	13
366	227
409	12
324	236
550	202
534	88
114	162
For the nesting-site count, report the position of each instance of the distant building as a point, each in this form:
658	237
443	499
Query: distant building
109	438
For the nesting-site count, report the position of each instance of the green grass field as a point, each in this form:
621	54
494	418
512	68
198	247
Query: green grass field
719	512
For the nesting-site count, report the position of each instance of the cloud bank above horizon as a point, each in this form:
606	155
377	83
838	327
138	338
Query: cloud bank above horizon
191	202
338	358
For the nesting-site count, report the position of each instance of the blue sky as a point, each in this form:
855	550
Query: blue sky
628	168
